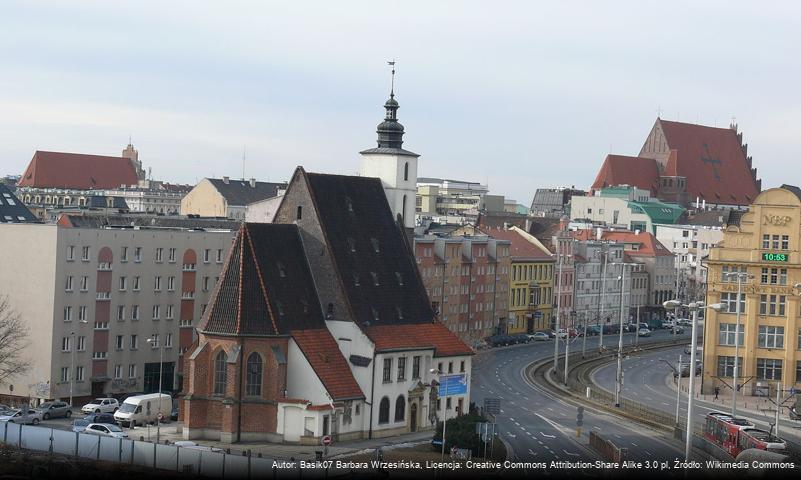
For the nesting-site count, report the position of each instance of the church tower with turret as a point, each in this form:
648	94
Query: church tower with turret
396	167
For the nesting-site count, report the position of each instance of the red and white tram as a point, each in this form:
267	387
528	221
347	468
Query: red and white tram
737	434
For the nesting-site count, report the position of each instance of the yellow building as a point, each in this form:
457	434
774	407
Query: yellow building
530	282
766	245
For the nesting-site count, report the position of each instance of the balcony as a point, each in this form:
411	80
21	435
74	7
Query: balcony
103	296
104	267
187	295
189	267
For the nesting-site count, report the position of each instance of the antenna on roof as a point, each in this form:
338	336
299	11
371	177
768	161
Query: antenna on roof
392	84
244	153
659	111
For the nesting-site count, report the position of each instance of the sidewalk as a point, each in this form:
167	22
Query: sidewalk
283	451
747	406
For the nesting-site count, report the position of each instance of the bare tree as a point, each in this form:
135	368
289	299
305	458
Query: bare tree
13	341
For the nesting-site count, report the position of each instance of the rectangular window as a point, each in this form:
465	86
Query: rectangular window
135	312
68	284
81	344
168	341
120	312
765	242
137	254
124	254
727	334
136	283
82	313
132	370
168	314
770	337
206	255
120	342
66	344
775	242
171	257
84	283
101	325
729	301
769	369
123	283
134	342
79	374
159	255
785	242
85	254
67	314
71	253
65	374
205	284
117	371
219	255
98	355
154	342
401	369
156	312
171	283
726	366
387	374
416	367
157	284
772	305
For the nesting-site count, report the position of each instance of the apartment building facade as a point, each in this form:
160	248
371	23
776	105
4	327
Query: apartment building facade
92	298
467	279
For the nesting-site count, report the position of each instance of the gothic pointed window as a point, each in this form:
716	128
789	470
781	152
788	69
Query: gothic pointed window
383	411
400	409
254	375
220	373
406	171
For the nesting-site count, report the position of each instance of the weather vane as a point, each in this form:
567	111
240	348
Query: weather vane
392	89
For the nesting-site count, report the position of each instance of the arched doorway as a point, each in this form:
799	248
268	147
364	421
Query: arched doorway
413	418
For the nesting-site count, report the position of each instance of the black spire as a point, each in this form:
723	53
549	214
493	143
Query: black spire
390	131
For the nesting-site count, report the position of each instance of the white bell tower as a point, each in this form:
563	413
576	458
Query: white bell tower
396	167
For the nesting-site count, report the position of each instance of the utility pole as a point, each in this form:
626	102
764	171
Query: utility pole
678	391
740	277
605	253
619	377
558	308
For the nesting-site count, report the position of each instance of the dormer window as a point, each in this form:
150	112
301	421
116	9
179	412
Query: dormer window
375	278
281	270
305	305
374	242
399	277
400	312
352	244
349	204
375	314
356	279
280	307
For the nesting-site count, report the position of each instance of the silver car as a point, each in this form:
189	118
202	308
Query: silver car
55	409
105	429
26	416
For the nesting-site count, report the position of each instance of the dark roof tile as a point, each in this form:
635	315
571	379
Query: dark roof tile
240	192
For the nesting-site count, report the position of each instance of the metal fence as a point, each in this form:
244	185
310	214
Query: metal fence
150	455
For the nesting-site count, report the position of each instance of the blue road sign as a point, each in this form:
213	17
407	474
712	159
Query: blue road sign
453	385
537	314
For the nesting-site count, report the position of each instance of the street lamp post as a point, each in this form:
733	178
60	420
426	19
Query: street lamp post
694	307
436	372
558	308
567	341
740	276
605	253
619	376
154	342
73	347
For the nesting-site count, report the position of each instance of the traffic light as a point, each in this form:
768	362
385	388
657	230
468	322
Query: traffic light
579	416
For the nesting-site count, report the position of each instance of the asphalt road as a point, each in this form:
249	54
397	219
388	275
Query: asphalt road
647	380
540	427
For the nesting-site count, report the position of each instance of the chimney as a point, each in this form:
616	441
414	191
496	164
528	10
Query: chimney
226	180
252	183
637	231
599	234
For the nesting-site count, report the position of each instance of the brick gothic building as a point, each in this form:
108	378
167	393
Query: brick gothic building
321	325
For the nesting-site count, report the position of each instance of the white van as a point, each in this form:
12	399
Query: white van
143	409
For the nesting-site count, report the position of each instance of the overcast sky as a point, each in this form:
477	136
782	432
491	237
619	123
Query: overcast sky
518	94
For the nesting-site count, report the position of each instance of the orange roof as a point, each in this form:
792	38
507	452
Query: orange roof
78	171
638	172
647	244
713	161
325	358
417	336
521	249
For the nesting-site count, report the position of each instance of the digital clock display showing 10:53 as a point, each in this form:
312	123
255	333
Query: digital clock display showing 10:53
774	257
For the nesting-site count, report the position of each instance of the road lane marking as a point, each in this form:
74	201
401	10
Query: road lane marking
571	454
546	435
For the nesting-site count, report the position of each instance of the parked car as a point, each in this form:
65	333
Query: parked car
101	405
685	369
79	425
498	340
678	329
100	418
562	333
55	409
644	332
519	338
143	409
593	330
539	337
611	328
684	321
105	429
27	416
550	332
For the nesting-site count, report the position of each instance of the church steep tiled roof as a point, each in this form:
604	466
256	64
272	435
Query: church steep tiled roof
375	263
78	171
624	170
265	287
325	358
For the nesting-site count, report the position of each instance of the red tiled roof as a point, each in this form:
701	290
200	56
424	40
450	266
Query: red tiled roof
78	171
639	172
648	245
521	249
713	162
325	358
427	335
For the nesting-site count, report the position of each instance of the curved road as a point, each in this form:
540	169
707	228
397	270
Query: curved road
540	427
648	380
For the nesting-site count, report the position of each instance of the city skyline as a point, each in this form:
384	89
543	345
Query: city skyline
478	88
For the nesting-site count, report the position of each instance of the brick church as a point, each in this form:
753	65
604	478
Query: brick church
320	323
687	164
